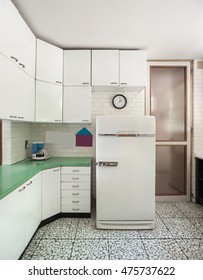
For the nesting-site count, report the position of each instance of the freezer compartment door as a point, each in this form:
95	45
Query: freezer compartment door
125	191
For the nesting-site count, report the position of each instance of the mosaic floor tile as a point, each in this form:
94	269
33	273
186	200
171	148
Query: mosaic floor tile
163	249
87	229
30	249
90	249
40	232
190	209
123	234
127	249
168	210
62	229
198	223
53	249
181	228
192	248
159	231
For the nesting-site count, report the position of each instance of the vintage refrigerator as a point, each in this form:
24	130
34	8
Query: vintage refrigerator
125	172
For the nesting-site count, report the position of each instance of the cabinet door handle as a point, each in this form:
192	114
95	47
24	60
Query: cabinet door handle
22	65
23	188
13	117
58	82
114	83
14	58
75	201
124	84
21	118
75	178
75	193
85	84
75	209
29	183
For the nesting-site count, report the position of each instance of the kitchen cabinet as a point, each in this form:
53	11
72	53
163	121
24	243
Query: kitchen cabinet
20	215
48	102
105	67
75	189
77	105
77	68
17	42
50	192
17	92
119	68
133	68
49	65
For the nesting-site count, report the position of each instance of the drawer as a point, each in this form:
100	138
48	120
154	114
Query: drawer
75	193
75	185
75	209
75	170
75	201
75	178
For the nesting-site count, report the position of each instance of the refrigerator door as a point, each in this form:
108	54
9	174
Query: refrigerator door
125	183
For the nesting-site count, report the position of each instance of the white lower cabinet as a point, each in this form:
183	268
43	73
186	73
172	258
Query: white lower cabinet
50	192
75	190
20	215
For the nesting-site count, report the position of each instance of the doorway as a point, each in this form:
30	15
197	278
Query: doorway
169	101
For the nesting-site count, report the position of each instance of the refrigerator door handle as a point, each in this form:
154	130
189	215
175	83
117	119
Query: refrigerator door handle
107	163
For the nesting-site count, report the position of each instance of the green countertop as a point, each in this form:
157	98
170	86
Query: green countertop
12	176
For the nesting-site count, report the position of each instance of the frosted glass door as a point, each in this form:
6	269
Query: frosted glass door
169	103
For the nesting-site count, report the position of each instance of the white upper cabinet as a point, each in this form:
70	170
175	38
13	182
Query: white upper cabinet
17	92
49	65
119	68
105	67
17	41
77	105
48	102
77	68
133	68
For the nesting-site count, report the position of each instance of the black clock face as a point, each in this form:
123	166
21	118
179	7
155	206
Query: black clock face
119	101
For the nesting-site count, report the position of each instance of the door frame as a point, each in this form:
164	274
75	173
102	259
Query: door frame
187	143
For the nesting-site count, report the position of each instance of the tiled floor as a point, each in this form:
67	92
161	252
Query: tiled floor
178	235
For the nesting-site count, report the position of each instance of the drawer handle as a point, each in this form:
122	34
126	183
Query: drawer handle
21	118
22	65
22	189
56	169
75	201
75	170
75	178
75	193
75	186
75	209
14	58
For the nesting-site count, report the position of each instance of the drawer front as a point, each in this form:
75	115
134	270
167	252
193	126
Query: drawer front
75	201
75	178
75	185
75	209
75	170
75	193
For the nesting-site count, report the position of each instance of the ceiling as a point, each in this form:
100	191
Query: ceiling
167	29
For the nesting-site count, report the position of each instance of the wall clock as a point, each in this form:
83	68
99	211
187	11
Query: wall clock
119	101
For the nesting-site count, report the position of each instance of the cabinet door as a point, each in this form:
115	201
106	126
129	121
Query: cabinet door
32	206
133	68
105	67
77	105
12	221
77	66
48	102
16	92
50	192
17	41
49	63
